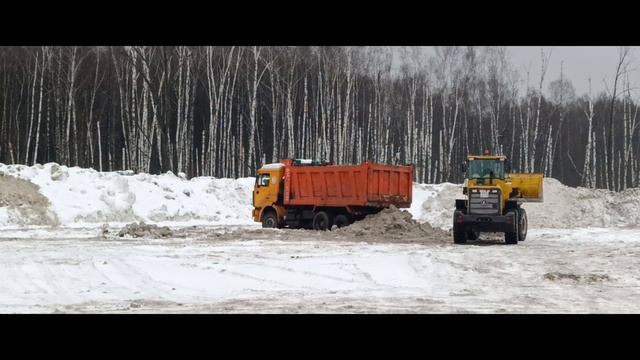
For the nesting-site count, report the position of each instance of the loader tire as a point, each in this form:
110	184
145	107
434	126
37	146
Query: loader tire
322	221
270	219
511	238
473	235
522	225
459	236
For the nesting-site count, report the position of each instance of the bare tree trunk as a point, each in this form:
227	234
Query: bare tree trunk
99	146
32	111
620	70
543	69
587	169
70	104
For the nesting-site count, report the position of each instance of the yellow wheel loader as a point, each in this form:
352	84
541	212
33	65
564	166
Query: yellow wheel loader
494	200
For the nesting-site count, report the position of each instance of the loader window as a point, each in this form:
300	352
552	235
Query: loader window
485	169
264	180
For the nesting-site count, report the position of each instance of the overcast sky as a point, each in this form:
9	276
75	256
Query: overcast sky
579	63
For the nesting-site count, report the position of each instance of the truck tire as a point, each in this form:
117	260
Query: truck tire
269	219
341	221
522	224
473	235
322	221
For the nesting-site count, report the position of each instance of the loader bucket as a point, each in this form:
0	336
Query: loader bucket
529	186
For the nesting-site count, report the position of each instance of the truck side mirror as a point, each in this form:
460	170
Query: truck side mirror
507	167
463	167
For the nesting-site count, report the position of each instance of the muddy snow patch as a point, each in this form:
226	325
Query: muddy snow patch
142	230
589	278
393	224
21	203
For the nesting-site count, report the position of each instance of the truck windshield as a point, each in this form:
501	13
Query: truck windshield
485	169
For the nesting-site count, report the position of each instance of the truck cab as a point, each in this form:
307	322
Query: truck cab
267	195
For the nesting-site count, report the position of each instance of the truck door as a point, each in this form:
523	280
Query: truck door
266	192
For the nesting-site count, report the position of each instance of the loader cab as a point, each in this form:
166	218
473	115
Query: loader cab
484	169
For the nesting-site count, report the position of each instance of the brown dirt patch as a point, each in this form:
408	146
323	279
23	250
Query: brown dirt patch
24	200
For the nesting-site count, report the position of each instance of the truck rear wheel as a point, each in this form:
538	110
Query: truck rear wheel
270	219
321	221
341	221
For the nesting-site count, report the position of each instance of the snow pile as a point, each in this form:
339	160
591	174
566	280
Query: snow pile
80	195
393	223
563	206
568	207
435	203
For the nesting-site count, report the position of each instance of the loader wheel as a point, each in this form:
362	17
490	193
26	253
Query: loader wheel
473	235
321	221
270	219
459	236
522	225
511	238
341	221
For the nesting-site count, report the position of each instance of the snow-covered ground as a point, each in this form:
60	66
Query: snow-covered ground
61	252
583	271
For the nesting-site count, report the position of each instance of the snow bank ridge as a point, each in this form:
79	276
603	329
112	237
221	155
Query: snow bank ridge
79	196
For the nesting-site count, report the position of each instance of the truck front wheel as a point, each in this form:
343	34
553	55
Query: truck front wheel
322	221
270	219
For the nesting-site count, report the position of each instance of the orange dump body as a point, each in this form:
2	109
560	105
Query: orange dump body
365	185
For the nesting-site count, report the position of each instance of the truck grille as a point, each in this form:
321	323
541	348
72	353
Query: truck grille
480	205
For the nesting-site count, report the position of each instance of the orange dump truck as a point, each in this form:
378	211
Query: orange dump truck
312	194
